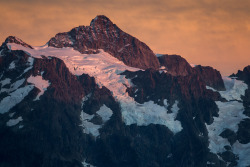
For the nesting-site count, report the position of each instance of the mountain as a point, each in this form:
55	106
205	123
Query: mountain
97	96
103	34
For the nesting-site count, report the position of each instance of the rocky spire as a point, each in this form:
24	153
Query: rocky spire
13	39
101	20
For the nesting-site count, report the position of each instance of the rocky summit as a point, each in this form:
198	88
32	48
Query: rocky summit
98	97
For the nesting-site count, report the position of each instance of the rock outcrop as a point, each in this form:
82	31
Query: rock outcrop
211	77
175	65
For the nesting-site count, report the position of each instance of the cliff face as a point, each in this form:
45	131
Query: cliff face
175	65
178	66
211	77
59	107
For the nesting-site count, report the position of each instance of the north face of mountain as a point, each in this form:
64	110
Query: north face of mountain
103	34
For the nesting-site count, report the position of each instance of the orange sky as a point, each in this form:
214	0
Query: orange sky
206	32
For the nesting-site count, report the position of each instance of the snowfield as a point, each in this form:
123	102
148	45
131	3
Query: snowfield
230	115
234	89
106	69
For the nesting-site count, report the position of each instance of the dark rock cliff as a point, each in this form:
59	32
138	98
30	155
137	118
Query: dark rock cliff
175	65
211	77
178	66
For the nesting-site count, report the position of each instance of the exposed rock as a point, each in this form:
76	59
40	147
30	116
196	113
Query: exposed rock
178	66
243	133
13	39
243	75
175	65
211	77
230	158
103	34
229	135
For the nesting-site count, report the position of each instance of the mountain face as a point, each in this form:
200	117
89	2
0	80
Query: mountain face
103	34
96	96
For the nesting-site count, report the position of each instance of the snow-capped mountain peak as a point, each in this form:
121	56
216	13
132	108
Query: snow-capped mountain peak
97	96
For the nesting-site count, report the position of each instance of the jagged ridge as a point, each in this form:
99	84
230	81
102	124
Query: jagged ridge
103	34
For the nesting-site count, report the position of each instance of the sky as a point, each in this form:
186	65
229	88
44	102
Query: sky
208	32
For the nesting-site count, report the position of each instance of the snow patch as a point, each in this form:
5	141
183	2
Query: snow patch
158	55
12	65
1	53
14	98
162	69
11	115
149	113
85	164
175	108
85	98
13	122
31	61
89	127
5	82
13	86
20	126
105	113
40	83
121	49
193	65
